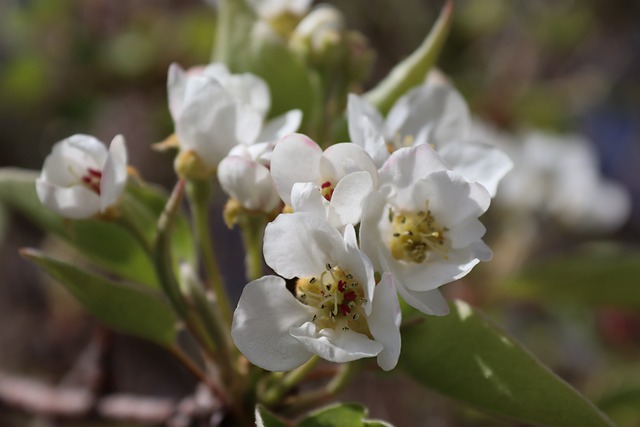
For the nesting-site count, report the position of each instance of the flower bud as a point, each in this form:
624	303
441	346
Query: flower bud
189	165
320	36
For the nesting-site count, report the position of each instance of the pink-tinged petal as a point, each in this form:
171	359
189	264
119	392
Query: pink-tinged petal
436	112
281	126
384	322
452	200
342	159
477	162
248	182
295	158
306	197
346	201
114	174
302	244
75	202
265	313
176	84
408	165
335	346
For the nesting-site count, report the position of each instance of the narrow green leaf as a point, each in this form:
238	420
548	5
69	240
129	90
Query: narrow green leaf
464	356
339	415
581	276
233	28
412	70
106	244
126	307
264	418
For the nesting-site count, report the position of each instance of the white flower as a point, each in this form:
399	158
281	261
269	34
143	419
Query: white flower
214	110
436	114
559	176
244	175
80	178
336	311
423	227
339	178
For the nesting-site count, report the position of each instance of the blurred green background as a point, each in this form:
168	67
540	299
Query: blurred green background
99	67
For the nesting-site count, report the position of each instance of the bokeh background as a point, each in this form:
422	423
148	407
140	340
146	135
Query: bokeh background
99	67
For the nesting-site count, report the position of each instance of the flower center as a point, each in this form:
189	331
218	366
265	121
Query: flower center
337	298
326	189
91	179
400	141
415	234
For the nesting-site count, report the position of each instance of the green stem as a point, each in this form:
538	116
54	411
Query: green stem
275	394
302	402
199	196
252	230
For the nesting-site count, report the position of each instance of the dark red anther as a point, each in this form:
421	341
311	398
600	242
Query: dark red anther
325	184
95	172
86	180
342	285
349	296
344	309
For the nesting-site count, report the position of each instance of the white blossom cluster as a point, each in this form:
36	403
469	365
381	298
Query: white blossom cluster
395	212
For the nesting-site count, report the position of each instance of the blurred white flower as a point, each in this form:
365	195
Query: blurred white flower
336	311
244	175
435	114
422	226
80	178
270	9
337	179
559	176
214	110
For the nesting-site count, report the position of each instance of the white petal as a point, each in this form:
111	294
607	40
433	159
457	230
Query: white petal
366	128
477	162
342	159
429	302
295	159
301	244
280	126
176	84
251	90
452	200
335	346
306	197
408	165
265	313
248	182
373	207
114	174
358	263
92	147
436	112
75	202
384	322
346	201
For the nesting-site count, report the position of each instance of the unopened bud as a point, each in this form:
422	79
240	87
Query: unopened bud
360	57
320	36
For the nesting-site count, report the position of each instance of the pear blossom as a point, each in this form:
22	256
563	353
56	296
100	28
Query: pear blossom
559	176
436	114
244	175
337	180
271	9
336	310
81	178
422	226
214	111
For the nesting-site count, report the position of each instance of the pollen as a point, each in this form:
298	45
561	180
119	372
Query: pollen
415	235
338	299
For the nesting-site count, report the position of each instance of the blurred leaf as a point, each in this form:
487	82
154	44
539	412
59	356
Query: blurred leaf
465	357
23	80
622	406
412	70
106	244
264	418
341	415
126	307
129	54
233	30
595	275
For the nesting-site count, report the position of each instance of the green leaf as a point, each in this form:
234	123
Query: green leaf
106	244
583	276
412	70
126	307
264	418
341	415
622	406
464	356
